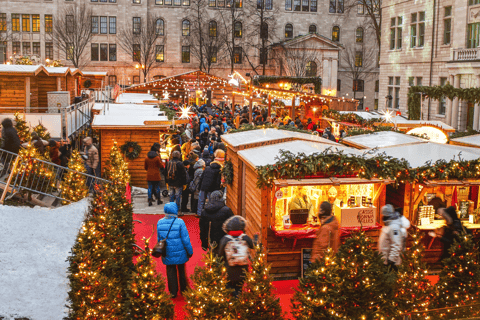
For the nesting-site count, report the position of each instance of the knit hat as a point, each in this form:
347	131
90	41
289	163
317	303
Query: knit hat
235	223
216	196
176	154
388	212
170	208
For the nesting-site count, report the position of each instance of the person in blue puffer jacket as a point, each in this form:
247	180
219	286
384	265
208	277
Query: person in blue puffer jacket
203	125
179	248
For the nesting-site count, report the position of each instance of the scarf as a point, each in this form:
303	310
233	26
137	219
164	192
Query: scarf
235	233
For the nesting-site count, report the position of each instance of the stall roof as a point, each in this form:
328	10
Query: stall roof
57	70
367	115
265	155
473	140
15	68
135	97
418	155
127	115
262	135
402	122
381	139
95	73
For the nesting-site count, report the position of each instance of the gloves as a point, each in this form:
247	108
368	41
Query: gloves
184	187
189	255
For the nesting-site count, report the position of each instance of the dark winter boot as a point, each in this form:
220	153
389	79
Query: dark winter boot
159	201
150	202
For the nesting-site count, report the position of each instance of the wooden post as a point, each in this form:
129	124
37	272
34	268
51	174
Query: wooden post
27	94
250	106
269	105
59	84
233	101
292	112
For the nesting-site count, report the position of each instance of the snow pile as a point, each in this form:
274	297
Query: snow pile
35	243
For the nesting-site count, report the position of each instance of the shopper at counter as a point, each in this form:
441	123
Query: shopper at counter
328	236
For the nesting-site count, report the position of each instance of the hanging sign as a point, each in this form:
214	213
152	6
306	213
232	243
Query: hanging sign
432	133
279	194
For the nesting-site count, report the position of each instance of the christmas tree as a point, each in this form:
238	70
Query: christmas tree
209	298
115	167
459	281
23	129
74	184
149	299
257	300
42	132
414	290
365	287
316	295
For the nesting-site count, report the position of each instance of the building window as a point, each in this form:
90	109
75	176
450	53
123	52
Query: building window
36	48
49	50
419	81
377	85
336	33
103	52
312	29
177	2
3	22
112	52
297	5
359	59
288	31
186	31
136	52
186	2
103	25
26	48
136	80
375	104
48	23
394	92
137	25
136	1
112	25
160	27
212	3
94	24
411	81
159	2
305	5
213	55
159	55
35	23
360	7
313	5
288	5
360	104
25	22
221	3
396	33
185	54
473	35
168	2
69	22
15	22
4	50
447	25
268	4
311	69
359	35
238	4
16	47
94	56
112	81
238	29
417	30
443	100
336	6
237	55
358	85
339	85
472	2
212	29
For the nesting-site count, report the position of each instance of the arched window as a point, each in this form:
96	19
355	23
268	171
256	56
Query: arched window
288	31
212	29
312	29
237	30
160	27
264	31
359	35
185	27
336	34
311	69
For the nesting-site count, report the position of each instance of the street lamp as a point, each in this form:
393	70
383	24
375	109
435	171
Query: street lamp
387	98
137	66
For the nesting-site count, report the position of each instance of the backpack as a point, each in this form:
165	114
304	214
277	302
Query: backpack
194	186
236	251
171	169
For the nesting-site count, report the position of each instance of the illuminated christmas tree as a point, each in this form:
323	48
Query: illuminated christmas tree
116	169
149	299
209	298
42	132
23	129
414	290
459	281
257	300
316	294
74	184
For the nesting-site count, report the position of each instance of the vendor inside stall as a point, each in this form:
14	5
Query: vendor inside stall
300	206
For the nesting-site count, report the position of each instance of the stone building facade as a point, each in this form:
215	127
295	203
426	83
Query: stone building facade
335	27
431	43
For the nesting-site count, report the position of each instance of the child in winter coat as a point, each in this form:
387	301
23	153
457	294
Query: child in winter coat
234	248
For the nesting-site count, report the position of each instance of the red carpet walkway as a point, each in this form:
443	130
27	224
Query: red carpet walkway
148	226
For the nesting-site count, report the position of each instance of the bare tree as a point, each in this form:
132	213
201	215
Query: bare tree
372	11
297	59
5	36
207	42
360	64
141	40
230	18
72	32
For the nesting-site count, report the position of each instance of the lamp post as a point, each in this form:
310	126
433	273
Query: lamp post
137	66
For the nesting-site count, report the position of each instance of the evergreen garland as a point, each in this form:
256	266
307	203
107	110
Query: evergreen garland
249	127
469	132
349	117
227	172
168	112
131	149
316	81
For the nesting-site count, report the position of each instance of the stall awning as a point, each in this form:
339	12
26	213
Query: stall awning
327	181
436	183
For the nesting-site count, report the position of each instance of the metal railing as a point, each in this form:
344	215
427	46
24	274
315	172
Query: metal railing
22	175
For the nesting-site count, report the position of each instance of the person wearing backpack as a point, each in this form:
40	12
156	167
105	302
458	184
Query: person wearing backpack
234	248
178	249
212	219
176	178
211	181
194	185
186	191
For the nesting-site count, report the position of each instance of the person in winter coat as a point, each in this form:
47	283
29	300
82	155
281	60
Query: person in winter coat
450	232
234	228
204	139
153	165
197	178
207	157
186	148
204	125
390	242
54	153
65	152
212	219
189	131
328	236
211	181
176	178
38	143
11	141
178	249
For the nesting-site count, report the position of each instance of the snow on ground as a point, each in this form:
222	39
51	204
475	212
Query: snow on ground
35	243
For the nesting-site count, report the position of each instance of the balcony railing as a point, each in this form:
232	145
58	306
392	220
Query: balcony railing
466	54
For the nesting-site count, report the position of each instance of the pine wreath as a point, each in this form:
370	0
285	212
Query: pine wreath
131	149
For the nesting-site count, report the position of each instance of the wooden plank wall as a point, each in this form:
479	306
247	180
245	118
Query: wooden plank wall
96	82
234	189
45	84
34	81
12	93
70	87
145	138
253	202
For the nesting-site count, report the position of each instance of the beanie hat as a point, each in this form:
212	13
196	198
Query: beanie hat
176	154
170	208
388	212
216	196
325	209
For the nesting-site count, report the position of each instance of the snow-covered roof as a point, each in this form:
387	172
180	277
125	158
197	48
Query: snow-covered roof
95	73
15	68
265	155
134	97
57	70
127	114
418	155
473	140
367	115
262	135
382	139
440	124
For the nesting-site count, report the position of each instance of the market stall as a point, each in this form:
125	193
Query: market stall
380	140
467	141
